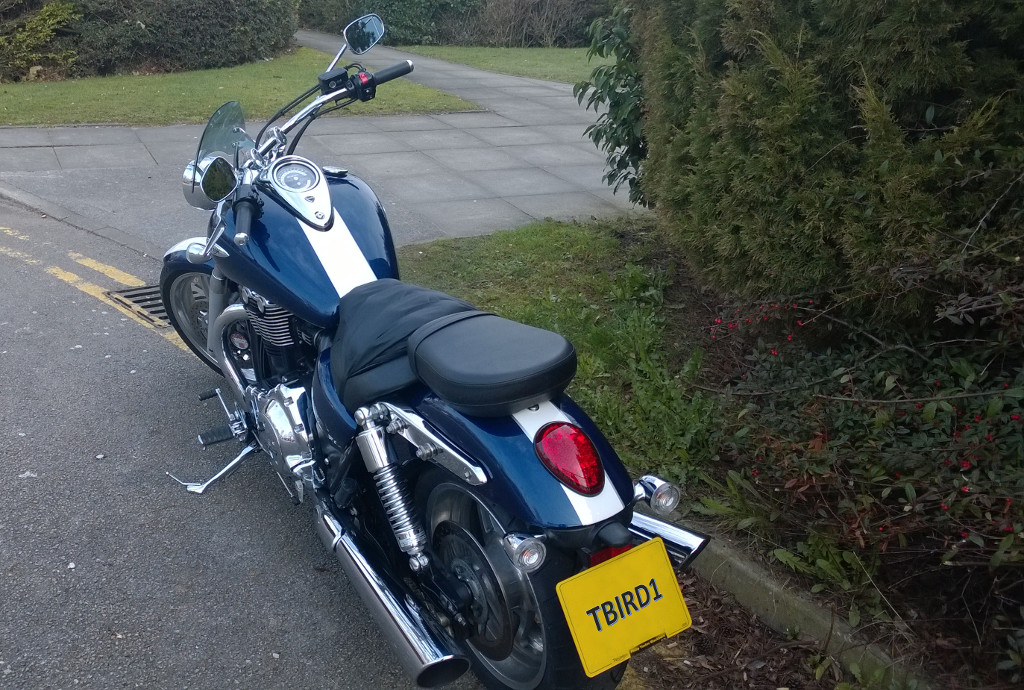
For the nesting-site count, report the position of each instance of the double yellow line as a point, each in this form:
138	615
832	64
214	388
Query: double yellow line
91	289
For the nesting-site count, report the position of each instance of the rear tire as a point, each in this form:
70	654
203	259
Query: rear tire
185	294
520	638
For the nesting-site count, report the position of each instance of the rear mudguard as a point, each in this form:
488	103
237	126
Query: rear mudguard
503	448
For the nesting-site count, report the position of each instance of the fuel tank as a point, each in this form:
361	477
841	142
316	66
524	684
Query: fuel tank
306	270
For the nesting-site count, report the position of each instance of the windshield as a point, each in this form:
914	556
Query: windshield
225	135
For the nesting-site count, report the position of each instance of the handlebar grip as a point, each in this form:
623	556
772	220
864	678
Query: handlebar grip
245	210
393	72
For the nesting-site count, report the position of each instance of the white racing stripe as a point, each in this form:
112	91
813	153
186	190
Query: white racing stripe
589	509
340	256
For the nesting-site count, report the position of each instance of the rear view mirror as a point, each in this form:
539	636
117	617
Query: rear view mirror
208	182
364	33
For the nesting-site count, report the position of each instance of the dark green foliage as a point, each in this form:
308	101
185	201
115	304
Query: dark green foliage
27	37
509	23
868	151
893	471
616	92
330	16
170	35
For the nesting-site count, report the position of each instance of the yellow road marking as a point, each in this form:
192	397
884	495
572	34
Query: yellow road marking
13	233
15	254
92	289
100	294
109	271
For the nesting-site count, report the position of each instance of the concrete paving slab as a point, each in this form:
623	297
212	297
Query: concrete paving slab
86	135
475	120
470	160
380	165
355	143
429	140
522	182
420	189
572	134
28	160
577	205
19	137
474	217
340	124
107	157
173	133
411	123
173	152
512	136
555	155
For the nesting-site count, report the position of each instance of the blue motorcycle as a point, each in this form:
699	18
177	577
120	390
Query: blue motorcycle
479	513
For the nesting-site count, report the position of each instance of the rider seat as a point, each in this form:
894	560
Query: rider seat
392	335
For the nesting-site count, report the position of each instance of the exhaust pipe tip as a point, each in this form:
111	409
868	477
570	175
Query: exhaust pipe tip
442	672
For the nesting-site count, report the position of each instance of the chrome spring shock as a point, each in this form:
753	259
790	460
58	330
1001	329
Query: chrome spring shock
391	486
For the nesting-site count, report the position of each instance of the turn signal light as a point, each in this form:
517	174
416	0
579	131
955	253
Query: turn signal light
569	455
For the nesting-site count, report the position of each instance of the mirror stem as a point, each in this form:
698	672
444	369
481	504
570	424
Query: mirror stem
337	57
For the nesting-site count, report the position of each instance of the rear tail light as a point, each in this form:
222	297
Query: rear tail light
569	455
608	553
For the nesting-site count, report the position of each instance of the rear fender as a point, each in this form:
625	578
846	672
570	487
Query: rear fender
516	480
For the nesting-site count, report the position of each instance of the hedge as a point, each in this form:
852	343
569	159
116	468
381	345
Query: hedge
868	151
170	35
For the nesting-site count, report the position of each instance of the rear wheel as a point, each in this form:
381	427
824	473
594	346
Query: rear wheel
519	638
185	294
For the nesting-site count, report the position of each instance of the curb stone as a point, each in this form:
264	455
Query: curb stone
786	610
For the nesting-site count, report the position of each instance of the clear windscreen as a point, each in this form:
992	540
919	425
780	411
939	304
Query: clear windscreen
225	135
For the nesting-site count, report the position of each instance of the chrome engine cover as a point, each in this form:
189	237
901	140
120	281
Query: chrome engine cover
283	435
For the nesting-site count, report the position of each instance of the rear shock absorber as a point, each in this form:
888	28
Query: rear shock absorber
391	485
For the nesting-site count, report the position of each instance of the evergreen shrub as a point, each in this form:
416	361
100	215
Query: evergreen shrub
868	151
508	23
27	37
172	35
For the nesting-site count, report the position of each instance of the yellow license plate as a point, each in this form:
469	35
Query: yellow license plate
623	605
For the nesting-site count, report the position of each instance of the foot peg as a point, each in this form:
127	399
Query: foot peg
198	488
218	435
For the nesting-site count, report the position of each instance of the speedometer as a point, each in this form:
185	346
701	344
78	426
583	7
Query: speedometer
296	177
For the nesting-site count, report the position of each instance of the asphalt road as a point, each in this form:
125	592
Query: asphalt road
112	575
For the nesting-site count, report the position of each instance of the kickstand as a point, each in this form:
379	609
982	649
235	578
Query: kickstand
197	488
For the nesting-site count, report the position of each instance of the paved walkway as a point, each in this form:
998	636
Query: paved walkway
523	157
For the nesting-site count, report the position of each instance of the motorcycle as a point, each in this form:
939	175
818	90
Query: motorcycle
478	512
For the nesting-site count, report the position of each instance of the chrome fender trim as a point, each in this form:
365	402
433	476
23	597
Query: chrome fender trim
682	544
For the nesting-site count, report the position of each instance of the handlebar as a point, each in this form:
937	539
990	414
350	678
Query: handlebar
362	86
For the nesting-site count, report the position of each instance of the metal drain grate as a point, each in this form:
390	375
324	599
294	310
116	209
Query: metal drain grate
144	301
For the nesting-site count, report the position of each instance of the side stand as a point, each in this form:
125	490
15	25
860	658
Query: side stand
197	488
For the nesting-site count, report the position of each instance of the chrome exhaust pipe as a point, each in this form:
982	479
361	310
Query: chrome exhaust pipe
682	545
215	342
424	650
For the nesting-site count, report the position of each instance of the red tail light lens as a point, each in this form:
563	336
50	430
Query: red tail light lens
608	553
567	452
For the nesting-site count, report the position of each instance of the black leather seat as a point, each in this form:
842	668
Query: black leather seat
392	335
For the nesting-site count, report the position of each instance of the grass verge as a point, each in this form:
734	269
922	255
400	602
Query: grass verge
190	97
567	65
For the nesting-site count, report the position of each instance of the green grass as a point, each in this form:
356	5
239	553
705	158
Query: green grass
602	294
190	97
567	65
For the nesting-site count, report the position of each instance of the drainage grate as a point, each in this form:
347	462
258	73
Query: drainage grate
144	301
